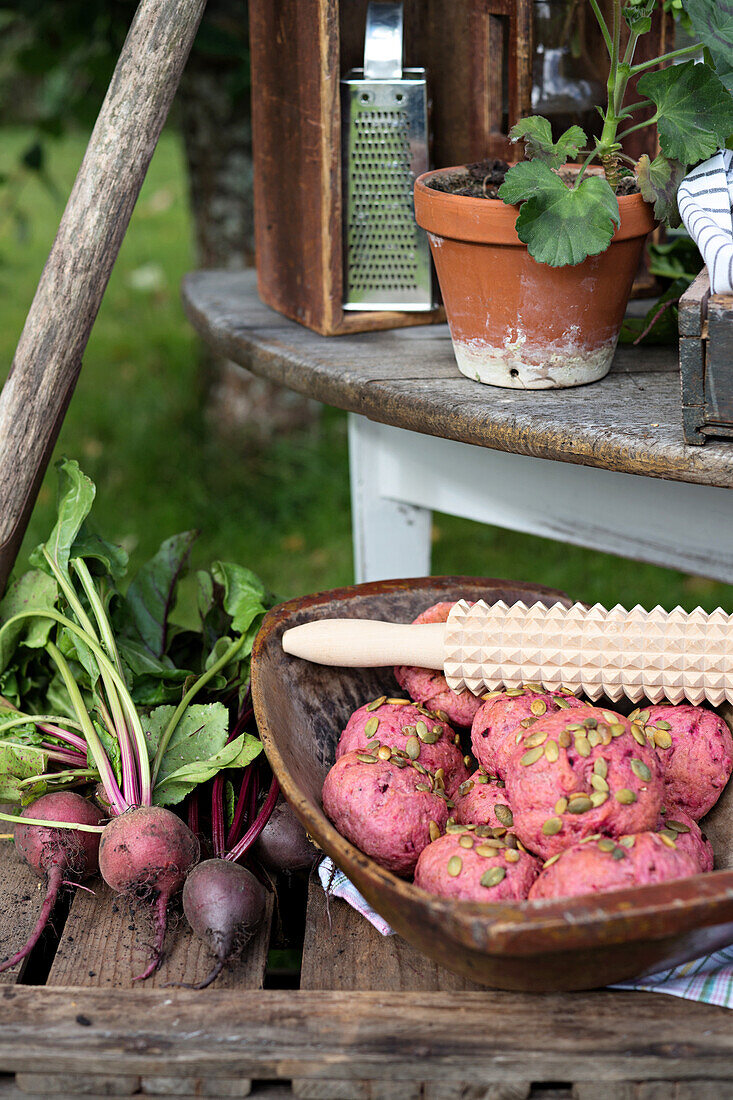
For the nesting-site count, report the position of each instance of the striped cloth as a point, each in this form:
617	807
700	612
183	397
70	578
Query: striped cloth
709	979
705	198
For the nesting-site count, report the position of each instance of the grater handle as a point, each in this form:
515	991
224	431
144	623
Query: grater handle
383	41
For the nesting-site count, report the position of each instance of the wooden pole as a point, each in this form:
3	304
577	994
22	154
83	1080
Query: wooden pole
49	354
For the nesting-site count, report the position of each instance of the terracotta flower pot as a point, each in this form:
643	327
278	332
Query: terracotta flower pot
515	322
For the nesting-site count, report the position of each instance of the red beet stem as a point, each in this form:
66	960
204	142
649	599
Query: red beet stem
257	825
55	878
217	816
71	739
160	920
240	811
253	795
193	812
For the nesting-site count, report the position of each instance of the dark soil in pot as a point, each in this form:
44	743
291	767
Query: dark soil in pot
483	179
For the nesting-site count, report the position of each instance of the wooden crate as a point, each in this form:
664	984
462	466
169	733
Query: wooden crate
300	49
369	1018
706	362
478	54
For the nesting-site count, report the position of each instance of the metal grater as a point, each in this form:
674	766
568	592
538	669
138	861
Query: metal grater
385	146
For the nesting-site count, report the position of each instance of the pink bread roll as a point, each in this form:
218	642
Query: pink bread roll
604	864
678	826
387	808
412	729
429	687
504	714
462	865
478	800
695	749
580	773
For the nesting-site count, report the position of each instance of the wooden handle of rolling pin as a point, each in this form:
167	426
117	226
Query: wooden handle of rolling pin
365	643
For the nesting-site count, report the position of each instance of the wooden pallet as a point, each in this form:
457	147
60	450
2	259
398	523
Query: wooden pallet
371	1020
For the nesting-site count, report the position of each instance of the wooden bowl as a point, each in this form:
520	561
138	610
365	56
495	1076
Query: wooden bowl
577	943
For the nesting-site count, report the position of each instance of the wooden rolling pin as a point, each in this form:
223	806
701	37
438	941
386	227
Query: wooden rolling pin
638	654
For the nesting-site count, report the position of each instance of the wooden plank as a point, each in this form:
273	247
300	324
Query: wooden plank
719	360
221	1088
346	952
105	942
415	1090
105	945
693	305
299	51
692	371
63	1084
342	951
603	1036
296	123
629	421
648	1090
22	893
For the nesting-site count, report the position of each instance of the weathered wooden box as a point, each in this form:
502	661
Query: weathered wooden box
478	56
706	362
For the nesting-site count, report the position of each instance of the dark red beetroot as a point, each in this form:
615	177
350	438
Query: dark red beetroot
283	844
223	903
61	855
147	852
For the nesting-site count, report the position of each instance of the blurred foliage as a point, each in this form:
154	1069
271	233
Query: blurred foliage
56	61
676	263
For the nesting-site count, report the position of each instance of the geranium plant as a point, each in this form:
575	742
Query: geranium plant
692	108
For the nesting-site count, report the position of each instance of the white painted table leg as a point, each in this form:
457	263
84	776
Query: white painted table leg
391	537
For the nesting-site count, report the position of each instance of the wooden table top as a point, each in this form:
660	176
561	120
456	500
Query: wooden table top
629	422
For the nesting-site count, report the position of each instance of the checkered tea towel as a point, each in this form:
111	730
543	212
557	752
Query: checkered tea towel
709	979
705	198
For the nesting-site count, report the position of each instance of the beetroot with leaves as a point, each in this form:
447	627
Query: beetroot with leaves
147	852
59	855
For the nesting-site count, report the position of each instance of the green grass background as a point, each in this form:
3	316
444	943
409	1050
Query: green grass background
137	426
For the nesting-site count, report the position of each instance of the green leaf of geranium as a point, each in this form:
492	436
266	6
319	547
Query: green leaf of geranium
712	23
525	180
658	183
694	109
562	225
536	133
